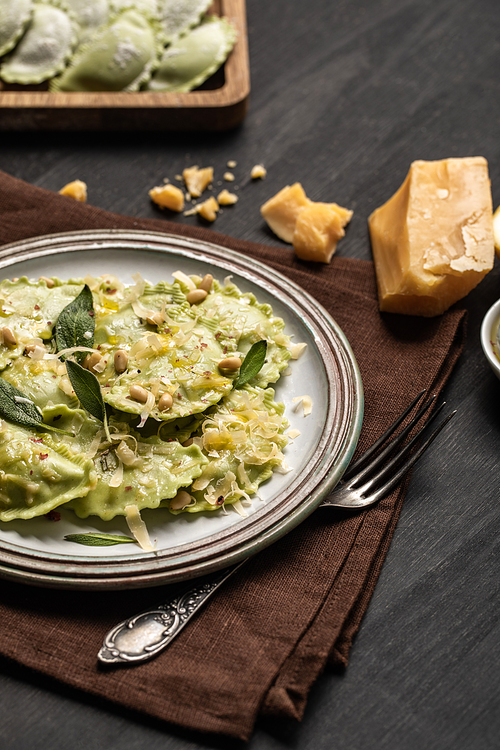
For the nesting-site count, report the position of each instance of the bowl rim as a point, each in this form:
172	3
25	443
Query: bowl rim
490	321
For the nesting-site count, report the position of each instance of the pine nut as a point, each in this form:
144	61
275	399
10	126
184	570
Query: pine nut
180	501
196	296
138	393
121	361
49	282
155	319
91	360
230	363
8	337
165	402
206	282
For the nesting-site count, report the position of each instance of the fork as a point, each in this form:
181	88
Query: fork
367	480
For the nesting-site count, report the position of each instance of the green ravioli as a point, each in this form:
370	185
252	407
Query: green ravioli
38	474
243	439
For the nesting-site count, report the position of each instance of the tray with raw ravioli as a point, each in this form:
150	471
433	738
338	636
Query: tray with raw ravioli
219	104
308	460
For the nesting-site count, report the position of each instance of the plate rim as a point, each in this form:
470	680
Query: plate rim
46	569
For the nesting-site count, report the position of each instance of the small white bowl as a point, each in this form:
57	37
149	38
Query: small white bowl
489	329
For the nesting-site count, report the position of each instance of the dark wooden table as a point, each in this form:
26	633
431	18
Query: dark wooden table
344	96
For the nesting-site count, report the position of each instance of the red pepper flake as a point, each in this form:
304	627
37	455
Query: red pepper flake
98	346
53	515
37	307
220	500
203	345
43	456
179	395
49	322
36	440
91	313
127	489
31	472
111	291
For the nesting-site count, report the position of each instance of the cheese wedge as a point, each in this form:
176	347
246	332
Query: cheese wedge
432	241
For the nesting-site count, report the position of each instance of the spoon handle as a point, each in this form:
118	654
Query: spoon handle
144	635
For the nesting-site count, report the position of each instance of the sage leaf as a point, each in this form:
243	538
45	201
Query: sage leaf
252	364
16	407
75	325
96	539
87	389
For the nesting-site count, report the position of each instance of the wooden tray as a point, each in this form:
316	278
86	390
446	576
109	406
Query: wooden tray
219	105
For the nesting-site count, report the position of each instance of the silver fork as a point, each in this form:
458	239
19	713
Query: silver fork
367	480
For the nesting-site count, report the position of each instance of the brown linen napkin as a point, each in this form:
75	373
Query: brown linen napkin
261	642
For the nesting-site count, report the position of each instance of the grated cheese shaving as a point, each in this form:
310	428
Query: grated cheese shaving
138	528
305	402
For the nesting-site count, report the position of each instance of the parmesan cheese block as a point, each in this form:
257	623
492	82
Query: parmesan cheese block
433	240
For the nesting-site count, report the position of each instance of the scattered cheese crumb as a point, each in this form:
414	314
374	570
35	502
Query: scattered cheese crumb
225	198
76	190
305	402
208	209
293	433
258	172
197	180
168	196
231	164
229	176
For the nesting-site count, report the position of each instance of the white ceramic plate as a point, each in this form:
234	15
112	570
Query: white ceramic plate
189	545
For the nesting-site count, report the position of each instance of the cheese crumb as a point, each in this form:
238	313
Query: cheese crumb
168	196
197	180
208	209
225	198
258	172
76	190
232	164
229	176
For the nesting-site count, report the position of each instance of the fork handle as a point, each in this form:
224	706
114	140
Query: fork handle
143	636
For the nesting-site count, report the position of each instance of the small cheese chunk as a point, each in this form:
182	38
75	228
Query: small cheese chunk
197	180
168	196
258	172
317	230
281	211
433	240
208	209
225	198
76	190
312	228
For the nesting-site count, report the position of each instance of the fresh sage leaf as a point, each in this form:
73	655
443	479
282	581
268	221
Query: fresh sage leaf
252	364
16	407
87	389
96	539
75	325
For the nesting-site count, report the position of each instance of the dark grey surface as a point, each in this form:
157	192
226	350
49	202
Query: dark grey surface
344	96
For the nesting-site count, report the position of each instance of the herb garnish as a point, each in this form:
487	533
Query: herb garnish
96	539
75	325
252	364
16	407
87	389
